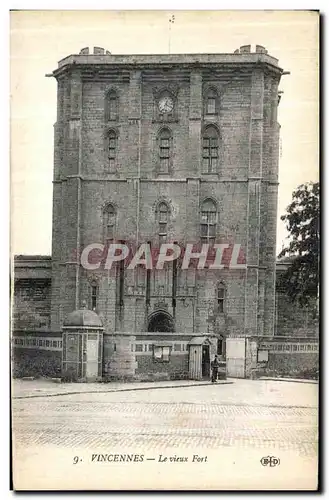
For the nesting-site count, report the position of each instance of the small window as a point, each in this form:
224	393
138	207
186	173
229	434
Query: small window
211	106
161	353
210	150
94	293
210	102
109	223
164	151
141	276
220	298
163	222
138	347
111	106
262	355
208	221
177	347
111	150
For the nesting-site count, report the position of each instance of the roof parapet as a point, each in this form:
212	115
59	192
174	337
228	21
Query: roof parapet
246	49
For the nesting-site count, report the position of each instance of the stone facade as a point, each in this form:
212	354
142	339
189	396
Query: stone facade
32	293
242	183
148	148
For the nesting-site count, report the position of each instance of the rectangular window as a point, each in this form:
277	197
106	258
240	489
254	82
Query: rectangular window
177	347
161	353
164	165
209	154
163	216
111	148
138	347
164	155
211	106
109	232
262	355
208	227
220	299
93	297
112	108
111	152
141	275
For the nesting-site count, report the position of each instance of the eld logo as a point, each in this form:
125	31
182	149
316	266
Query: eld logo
271	461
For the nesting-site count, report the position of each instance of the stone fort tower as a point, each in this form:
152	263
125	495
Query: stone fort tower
156	148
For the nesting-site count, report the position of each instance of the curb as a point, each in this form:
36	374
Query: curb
118	390
295	380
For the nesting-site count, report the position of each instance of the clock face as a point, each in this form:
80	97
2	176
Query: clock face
166	104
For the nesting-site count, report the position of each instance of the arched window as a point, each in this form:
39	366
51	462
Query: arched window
210	102
220	297
112	141
111	106
109	217
163	213
210	150
165	150
208	221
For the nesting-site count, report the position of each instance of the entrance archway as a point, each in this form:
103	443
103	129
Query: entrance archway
160	321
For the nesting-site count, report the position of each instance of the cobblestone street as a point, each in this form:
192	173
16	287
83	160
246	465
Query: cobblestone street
280	416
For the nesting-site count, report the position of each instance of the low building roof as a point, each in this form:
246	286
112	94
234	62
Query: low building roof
199	340
83	317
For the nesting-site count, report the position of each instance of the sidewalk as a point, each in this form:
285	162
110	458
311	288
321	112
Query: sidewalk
286	379
47	387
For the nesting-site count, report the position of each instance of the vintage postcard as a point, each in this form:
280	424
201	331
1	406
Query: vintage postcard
165	250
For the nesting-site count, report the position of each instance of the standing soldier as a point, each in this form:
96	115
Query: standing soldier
214	368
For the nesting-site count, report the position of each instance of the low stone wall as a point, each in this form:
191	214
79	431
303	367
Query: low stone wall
36	363
149	369
131	357
36	354
290	357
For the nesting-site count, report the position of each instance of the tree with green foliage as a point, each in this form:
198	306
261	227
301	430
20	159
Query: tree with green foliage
301	280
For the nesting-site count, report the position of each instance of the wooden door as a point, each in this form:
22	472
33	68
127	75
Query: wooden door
195	362
235	357
92	358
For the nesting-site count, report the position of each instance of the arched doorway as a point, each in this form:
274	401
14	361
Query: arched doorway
160	321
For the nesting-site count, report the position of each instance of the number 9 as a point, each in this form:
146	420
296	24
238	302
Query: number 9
75	460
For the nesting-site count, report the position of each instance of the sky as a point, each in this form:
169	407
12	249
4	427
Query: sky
39	39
